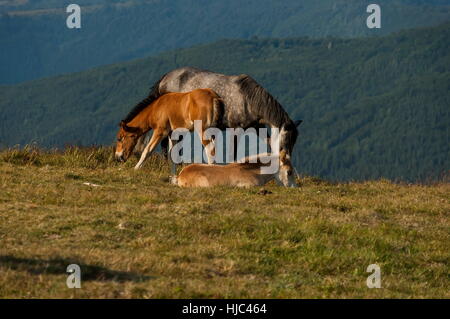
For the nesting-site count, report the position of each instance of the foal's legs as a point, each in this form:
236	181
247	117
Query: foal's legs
164	147
139	145
156	138
210	150
173	167
208	145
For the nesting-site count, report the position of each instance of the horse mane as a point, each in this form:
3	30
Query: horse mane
268	108
262	102
152	96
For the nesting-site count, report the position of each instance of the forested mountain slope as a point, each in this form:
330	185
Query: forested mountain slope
35	42
371	107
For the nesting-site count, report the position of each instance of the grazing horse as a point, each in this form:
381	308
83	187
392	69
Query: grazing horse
237	174
247	104
165	114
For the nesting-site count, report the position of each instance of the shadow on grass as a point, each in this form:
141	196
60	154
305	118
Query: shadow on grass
58	266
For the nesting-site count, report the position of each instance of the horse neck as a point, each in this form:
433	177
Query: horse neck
143	119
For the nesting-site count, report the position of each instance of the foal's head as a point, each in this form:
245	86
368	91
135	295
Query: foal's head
285	173
127	138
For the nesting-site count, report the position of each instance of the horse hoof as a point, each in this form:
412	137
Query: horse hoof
173	180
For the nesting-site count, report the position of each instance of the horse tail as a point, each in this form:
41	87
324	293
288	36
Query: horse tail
218	107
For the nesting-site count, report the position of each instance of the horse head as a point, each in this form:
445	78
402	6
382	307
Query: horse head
127	138
286	173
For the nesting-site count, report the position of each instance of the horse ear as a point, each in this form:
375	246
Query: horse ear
125	127
298	122
130	129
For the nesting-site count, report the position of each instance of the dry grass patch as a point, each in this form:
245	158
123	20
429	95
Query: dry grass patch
136	236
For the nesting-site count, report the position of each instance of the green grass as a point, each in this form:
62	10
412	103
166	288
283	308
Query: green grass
136	236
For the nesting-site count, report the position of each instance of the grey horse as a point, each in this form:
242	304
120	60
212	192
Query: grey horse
247	104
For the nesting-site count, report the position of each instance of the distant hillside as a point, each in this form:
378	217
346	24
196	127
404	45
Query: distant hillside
371	107
35	42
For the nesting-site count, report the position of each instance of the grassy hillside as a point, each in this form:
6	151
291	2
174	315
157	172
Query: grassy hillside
371	107
35	42
134	235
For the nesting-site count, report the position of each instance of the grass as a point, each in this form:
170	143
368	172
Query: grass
136	236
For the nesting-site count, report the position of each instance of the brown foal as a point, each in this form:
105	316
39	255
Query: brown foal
169	112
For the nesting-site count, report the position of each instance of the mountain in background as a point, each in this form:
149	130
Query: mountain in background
35	42
374	107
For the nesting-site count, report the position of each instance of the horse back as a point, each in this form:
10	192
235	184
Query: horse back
235	174
197	175
207	106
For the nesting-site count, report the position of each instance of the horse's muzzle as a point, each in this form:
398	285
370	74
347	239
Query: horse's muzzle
120	157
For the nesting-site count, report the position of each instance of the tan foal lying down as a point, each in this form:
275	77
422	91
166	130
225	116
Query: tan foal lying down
236	174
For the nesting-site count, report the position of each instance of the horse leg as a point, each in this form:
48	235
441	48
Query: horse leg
173	167
140	145
237	139
209	146
156	138
164	147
